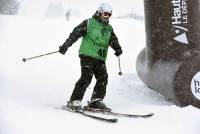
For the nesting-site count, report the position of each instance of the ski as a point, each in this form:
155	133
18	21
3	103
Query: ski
118	114
111	120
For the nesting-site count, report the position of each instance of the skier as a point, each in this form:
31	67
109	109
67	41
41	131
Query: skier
97	35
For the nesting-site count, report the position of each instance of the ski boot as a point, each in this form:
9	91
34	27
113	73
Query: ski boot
97	105
74	106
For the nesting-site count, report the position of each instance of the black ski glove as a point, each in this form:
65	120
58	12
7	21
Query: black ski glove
63	49
118	52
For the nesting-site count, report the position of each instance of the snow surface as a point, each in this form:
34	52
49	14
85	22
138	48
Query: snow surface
30	91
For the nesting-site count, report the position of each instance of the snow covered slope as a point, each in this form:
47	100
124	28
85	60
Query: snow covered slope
29	91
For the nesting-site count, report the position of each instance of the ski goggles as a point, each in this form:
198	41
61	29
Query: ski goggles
106	14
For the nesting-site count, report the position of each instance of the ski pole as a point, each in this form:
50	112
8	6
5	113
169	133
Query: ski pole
120	70
25	59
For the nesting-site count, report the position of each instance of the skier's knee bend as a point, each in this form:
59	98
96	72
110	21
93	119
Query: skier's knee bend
103	79
84	82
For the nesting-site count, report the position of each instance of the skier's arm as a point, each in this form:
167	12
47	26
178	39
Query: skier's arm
114	43
77	32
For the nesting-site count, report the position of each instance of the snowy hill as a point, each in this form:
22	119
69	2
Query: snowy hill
29	91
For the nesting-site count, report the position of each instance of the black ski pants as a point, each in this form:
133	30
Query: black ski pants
89	67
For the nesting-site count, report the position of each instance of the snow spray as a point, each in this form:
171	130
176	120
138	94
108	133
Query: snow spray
170	63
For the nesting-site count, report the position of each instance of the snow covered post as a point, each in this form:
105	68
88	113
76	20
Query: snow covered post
170	63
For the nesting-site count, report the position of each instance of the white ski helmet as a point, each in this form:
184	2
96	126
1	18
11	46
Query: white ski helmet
105	7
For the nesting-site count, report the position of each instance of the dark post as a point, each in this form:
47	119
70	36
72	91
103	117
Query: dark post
170	63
